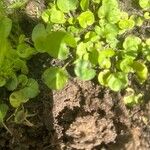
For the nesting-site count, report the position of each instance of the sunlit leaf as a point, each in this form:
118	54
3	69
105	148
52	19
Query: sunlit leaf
57	16
86	19
84	4
117	81
67	5
140	70
102	77
55	78
83	70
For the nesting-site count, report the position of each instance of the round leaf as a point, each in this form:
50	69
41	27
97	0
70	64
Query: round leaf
126	65
57	16
67	5
17	98
86	19
140	70
131	43
117	81
102	77
55	78
83	71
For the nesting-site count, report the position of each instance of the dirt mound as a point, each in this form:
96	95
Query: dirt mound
86	117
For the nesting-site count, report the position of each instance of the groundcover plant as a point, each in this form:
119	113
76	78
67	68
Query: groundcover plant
92	36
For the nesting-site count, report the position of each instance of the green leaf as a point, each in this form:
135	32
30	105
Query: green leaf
86	19
39	35
55	78
17	98
46	15
81	49
105	63
140	70
117	81
67	5
104	58
106	53
32	88
108	31
3	111
145	4
131	43
57	16
22	96
25	51
126	65
126	24
56	45
93	56
20	116
131	98
20	65
70	40
146	15
2	81
12	83
83	70
5	27
109	11
102	77
84	4
22	80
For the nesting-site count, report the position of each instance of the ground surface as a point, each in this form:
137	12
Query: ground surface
82	116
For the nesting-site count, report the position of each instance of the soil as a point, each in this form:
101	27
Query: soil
82	116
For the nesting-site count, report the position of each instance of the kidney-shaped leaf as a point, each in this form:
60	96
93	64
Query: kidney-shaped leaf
83	71
55	78
17	98
131	43
22	96
117	81
67	5
140	70
86	19
102	77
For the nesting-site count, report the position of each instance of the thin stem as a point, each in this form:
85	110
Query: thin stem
4	125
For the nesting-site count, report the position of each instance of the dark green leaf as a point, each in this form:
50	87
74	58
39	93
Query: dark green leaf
3	111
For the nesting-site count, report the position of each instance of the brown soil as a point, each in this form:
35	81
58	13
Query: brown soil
82	116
